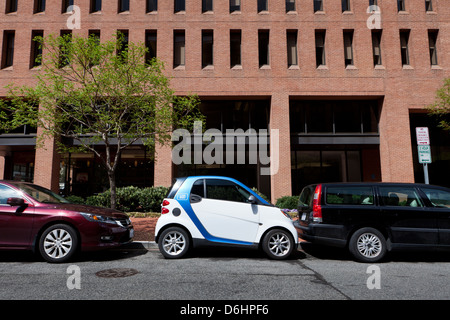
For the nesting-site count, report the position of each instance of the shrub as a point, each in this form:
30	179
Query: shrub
287	202
130	199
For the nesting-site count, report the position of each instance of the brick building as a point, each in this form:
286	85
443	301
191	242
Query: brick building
343	95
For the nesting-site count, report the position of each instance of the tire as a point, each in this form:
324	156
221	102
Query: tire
174	243
58	243
368	245
278	244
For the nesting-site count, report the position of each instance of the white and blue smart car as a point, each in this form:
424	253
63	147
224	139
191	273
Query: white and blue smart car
213	210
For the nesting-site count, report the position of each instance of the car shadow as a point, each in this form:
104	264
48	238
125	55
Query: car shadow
97	256
225	253
333	253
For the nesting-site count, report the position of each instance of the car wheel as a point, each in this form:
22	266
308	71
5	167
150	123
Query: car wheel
368	245
174	243
58	243
278	244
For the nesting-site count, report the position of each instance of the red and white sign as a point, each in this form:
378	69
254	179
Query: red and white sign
422	136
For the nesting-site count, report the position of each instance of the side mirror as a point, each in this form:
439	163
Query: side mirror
16	202
252	199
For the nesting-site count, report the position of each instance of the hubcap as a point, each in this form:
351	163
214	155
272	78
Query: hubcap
369	245
57	243
279	244
174	243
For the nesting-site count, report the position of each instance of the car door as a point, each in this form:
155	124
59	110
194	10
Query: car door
439	204
15	222
404	212
223	210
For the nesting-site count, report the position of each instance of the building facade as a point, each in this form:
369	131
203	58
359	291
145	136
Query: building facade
341	81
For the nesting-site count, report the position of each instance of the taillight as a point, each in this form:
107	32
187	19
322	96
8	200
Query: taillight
163	209
317	208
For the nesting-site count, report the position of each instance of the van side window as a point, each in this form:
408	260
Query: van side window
350	195
400	196
438	198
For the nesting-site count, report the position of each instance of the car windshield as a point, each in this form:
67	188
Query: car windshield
41	194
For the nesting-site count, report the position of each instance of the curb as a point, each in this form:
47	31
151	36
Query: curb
140	245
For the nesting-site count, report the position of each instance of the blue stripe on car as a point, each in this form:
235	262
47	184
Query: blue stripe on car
182	197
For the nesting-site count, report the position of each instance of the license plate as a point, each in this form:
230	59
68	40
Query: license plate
131	233
304	216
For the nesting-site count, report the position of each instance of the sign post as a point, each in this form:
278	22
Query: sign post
424	150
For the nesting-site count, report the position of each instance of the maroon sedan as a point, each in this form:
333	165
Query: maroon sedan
34	218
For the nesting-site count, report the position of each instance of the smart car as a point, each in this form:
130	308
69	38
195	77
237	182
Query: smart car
221	211
35	218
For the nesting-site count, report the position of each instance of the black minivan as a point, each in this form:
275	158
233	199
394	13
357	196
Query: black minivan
372	219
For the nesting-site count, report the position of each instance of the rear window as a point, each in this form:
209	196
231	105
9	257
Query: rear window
173	190
350	195
306	197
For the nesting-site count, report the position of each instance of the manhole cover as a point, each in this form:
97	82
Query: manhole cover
117	273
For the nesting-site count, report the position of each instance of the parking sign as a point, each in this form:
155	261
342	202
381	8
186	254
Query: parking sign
424	154
422	136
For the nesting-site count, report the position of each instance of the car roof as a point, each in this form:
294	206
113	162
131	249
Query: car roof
378	184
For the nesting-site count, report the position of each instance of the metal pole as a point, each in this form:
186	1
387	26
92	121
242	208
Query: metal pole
425	173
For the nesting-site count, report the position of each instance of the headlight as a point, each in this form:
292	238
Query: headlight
98	218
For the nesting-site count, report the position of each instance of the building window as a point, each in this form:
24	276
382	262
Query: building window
428	5
404	40
263	48
65	5
345	5
373	3
263	5
207	5
11	6
152	6
290	5
235	6
150	44
235	48
36	49
207	48
179	48
124	5
292	57
401	6
96	6
432	40
376	47
64	58
8	49
348	47
122	44
39	6
318	5
320	47
180	5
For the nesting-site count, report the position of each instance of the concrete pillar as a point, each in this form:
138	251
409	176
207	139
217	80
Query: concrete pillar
281	184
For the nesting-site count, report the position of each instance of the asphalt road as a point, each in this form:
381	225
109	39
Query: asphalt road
221	275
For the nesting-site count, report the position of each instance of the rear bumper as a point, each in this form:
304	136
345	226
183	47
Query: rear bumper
325	234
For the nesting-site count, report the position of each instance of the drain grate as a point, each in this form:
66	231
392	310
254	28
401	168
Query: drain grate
116	273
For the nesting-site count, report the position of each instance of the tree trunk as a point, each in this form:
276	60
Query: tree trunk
112	187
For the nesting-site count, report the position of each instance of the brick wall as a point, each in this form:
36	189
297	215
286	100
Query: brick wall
403	89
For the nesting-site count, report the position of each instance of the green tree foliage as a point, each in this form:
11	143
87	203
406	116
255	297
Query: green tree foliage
441	106
89	92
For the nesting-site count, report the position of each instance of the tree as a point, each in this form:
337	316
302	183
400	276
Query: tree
93	92
441	106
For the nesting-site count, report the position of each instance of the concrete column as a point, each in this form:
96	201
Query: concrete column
163	165
47	162
281	184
